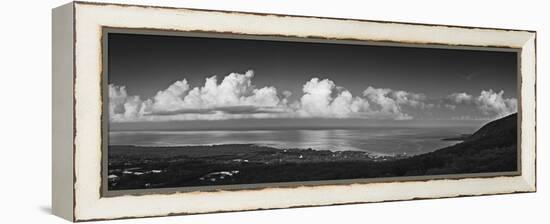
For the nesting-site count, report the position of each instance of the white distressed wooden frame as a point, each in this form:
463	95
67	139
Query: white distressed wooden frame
77	30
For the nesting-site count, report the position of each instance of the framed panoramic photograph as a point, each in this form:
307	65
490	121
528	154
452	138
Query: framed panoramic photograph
163	111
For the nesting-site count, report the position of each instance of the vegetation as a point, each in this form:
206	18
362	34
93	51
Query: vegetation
493	148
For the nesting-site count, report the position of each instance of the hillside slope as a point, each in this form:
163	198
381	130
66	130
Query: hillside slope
493	148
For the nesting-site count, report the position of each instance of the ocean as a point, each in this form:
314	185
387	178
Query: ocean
379	140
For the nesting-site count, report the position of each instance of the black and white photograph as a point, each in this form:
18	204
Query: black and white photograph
207	110
275	112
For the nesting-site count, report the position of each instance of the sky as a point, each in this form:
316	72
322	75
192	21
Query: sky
160	81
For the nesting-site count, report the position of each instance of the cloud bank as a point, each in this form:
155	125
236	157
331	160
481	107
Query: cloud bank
490	103
235	97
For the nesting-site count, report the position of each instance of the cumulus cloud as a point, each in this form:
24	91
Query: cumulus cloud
123	107
460	98
235	97
171	99
411	99
235	90
493	103
386	103
489	102
322	98
318	101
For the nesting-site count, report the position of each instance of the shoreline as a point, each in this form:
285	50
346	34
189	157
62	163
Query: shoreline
238	149
134	167
493	148
270	146
131	167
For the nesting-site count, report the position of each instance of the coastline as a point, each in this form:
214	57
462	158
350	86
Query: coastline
493	148
133	166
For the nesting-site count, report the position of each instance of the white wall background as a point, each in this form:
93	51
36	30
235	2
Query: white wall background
25	111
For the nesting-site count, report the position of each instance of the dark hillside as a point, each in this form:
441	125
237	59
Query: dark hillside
504	127
493	148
